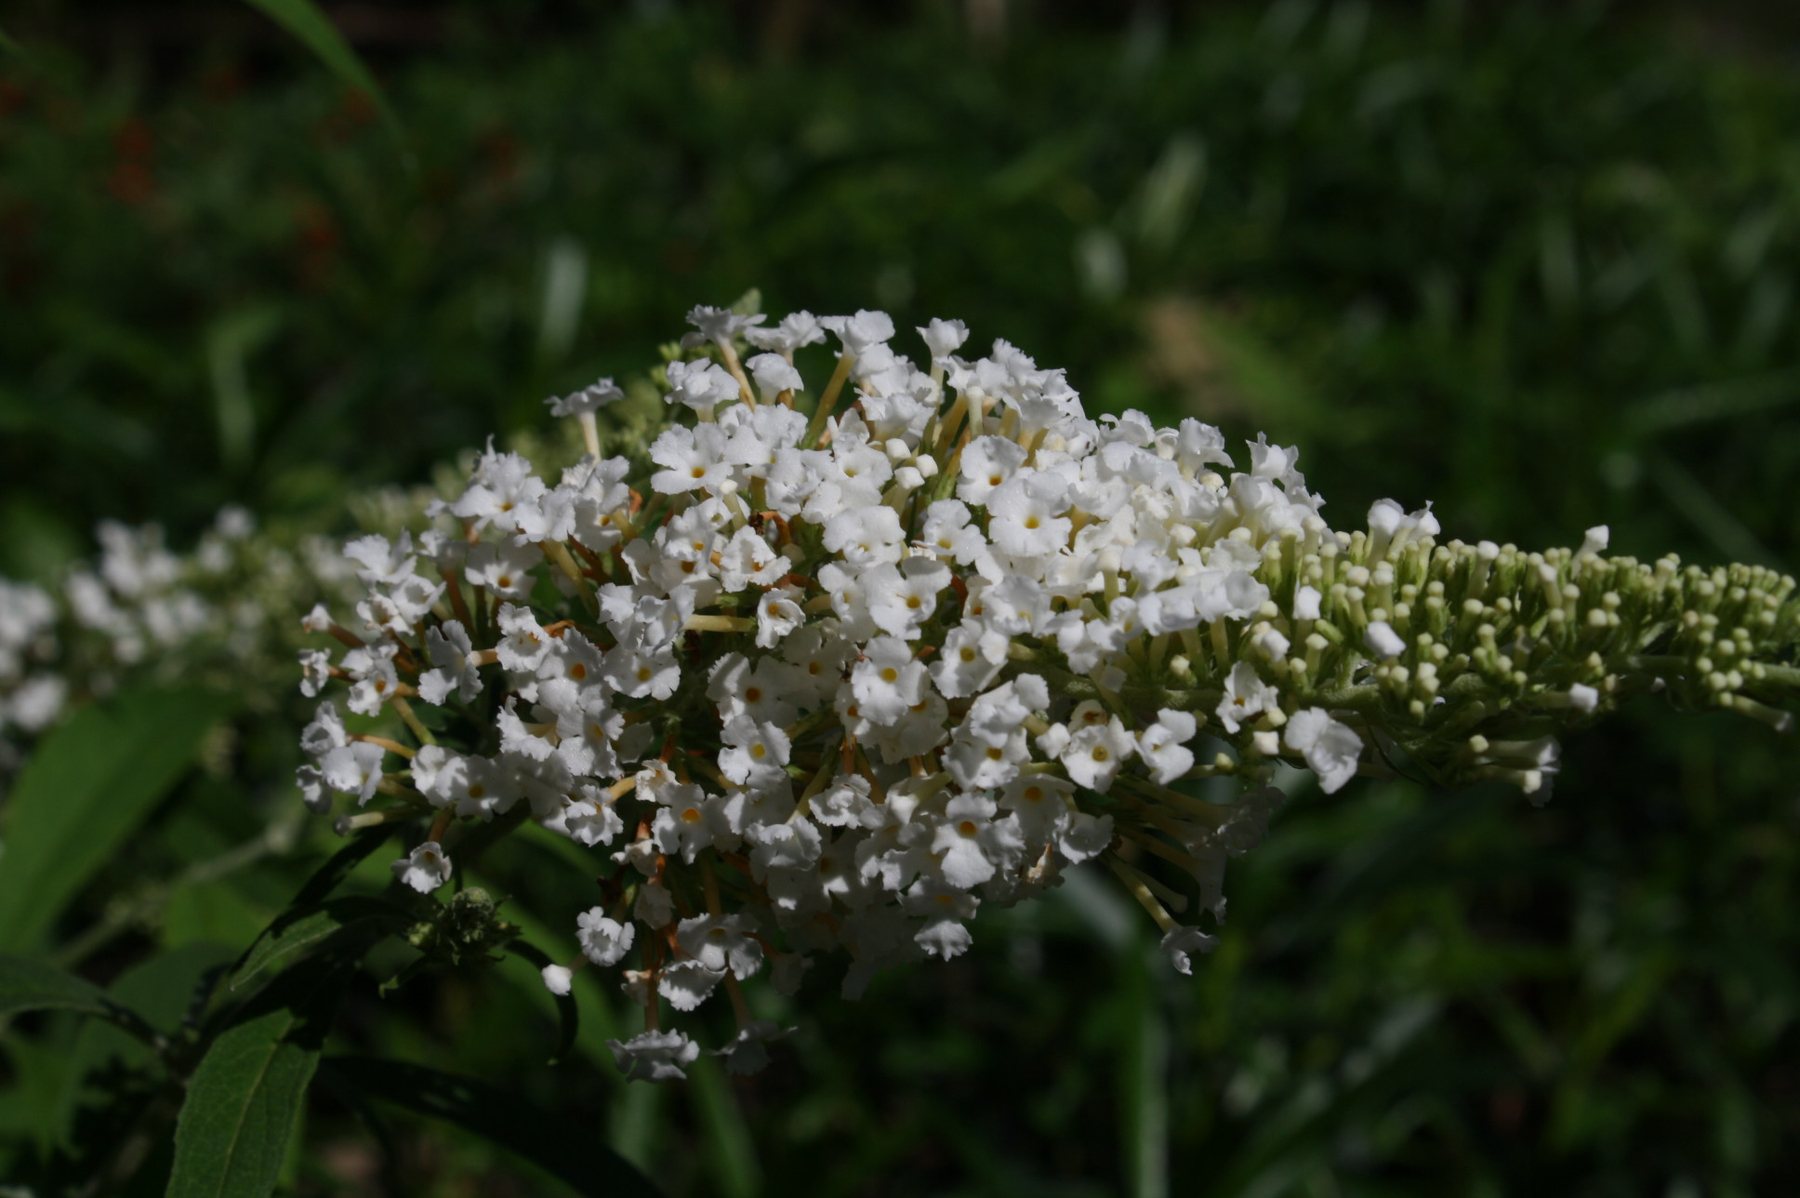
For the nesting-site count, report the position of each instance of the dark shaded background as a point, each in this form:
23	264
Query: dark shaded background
1534	263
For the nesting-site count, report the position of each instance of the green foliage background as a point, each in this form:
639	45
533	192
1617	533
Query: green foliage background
1535	264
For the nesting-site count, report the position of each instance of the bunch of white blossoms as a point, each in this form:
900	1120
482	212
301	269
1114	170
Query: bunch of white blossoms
139	609
838	680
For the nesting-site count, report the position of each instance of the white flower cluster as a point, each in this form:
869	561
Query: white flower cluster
135	607
839	681
30	698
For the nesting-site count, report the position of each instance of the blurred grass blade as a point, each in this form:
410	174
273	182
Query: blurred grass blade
1143	1078
34	986
730	1150
1728	534
244	1100
303	19
1713	401
9	46
565	1150
92	781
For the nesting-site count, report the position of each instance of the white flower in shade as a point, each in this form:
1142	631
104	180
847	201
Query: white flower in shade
745	1053
754	752
452	653
502	568
1180	944
654	908
686	984
722	942
654	1056
523	642
603	941
354	768
315	671
425	868
1332	749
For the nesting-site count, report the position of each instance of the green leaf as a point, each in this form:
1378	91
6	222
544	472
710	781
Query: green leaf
244	1099
566	1012
349	921
303	19
88	787
565	1150
34	986
329	876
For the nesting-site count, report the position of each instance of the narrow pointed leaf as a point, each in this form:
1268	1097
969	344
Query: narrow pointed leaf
34	986
90	784
349	922
564	1149
303	19
329	876
243	1100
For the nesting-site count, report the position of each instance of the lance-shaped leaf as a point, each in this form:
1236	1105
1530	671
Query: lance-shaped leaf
350	923
90	784
244	1099
567	1150
34	986
329	876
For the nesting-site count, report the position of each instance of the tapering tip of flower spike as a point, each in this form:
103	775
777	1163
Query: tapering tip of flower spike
853	663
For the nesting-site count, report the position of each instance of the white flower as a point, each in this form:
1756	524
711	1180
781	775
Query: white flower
778	614
887	681
604	941
745	1053
558	979
425	868
686	984
1181	943
1096	753
1382	640
590	398
654	1056
354	768
1246	697
943	338
1332	749
722	942
1163	745
903	598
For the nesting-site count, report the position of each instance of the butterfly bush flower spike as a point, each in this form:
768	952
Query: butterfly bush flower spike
828	672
